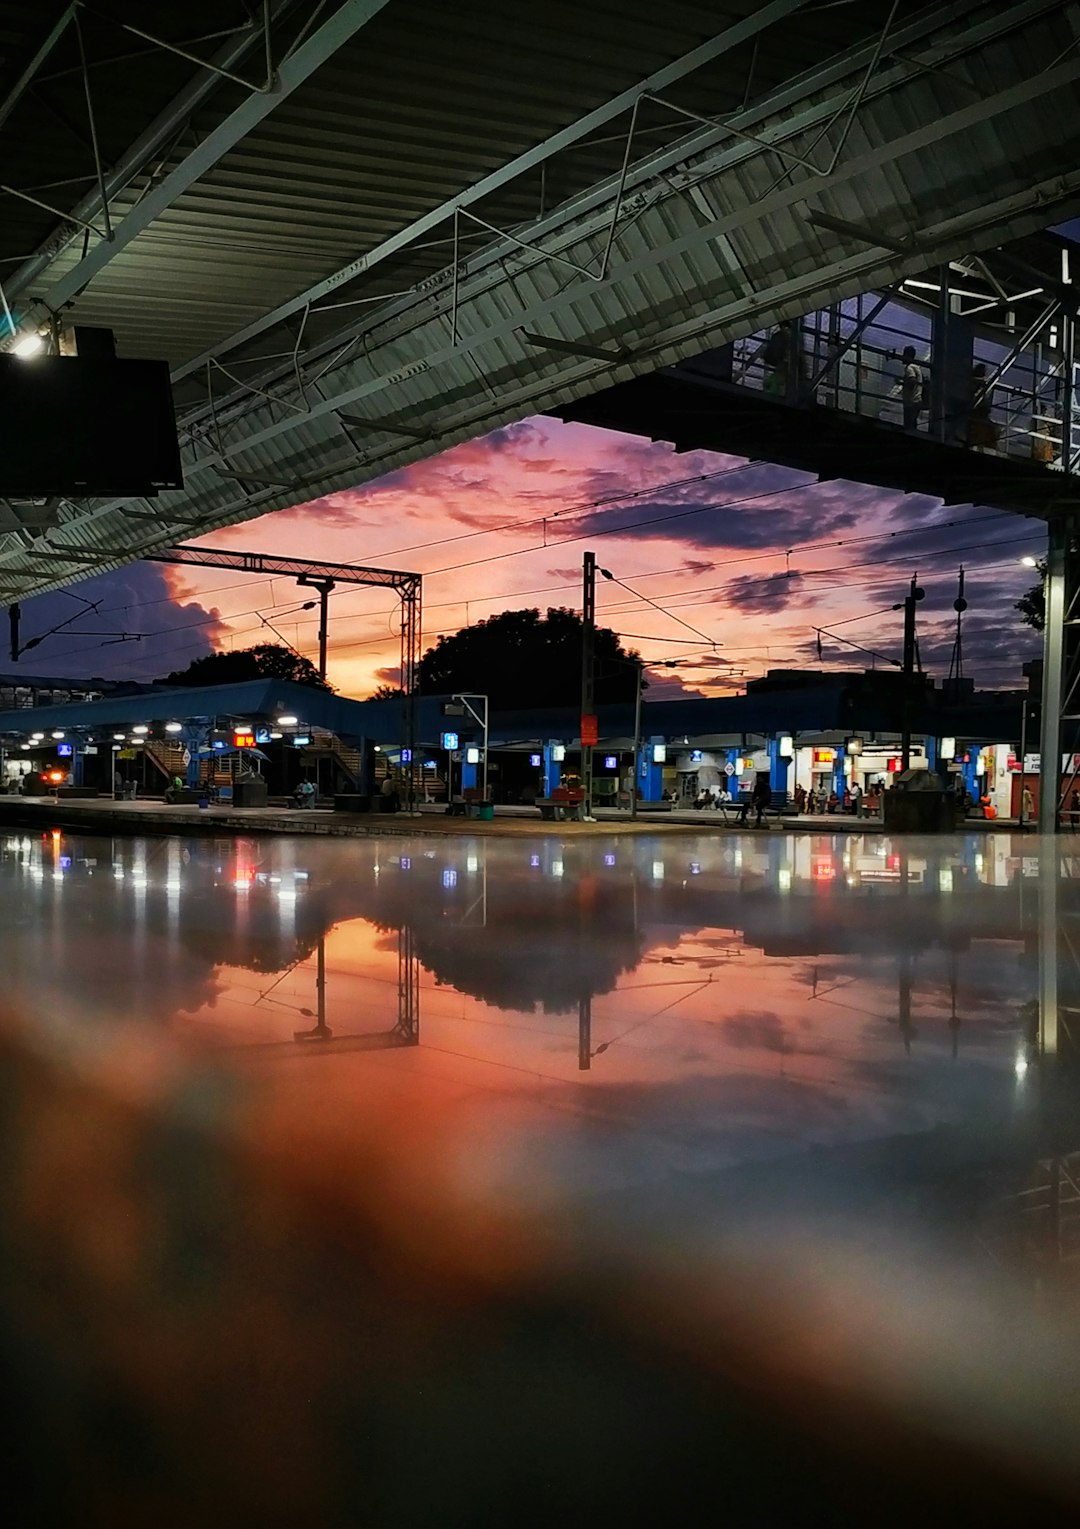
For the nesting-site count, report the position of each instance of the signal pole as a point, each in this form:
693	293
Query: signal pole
911	600
588	676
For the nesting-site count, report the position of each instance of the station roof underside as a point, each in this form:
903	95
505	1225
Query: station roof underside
720	721
442	218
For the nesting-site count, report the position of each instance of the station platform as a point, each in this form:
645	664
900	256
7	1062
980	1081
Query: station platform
152	816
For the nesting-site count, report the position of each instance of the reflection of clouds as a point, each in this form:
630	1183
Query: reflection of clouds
714	1039
756	1028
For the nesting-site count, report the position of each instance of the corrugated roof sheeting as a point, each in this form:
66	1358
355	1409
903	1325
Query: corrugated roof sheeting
426	99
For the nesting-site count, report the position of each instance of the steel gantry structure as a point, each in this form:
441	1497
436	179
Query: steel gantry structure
362	232
323	576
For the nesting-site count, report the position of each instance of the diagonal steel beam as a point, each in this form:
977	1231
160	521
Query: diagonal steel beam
295	71
26	78
722	43
160	132
781	108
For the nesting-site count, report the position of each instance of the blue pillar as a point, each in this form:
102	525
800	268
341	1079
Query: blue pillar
552	766
194	737
971	779
839	779
650	776
932	753
778	769
78	758
468	774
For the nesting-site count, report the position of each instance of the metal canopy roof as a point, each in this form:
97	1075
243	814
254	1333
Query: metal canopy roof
438	219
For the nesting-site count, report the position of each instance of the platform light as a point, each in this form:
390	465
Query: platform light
37	737
119	737
174	727
980	765
140	731
853	746
275	736
29	345
58	735
558	753
659	753
472	754
1027	561
287	721
785	746
947	749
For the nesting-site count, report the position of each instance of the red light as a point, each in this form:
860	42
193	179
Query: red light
54	777
894	766
243	740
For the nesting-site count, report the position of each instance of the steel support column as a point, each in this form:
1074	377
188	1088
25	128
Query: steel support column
1057	558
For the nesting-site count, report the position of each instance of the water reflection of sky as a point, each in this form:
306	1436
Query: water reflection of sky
670	1006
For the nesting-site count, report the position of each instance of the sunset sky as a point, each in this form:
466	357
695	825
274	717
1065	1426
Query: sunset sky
746	562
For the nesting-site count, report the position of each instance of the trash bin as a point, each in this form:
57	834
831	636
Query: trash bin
919	803
486	812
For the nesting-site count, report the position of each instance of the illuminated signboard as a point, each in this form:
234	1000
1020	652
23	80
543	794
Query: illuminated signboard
824	756
65	750
610	762
534	760
406	756
243	740
450	741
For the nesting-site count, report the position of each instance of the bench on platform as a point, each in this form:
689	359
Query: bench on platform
69	793
565	802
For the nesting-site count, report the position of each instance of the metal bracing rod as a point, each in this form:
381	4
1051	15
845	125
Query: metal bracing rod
779	106
732	37
92	119
837	355
1049	312
193	58
149	143
26	78
851	107
340	27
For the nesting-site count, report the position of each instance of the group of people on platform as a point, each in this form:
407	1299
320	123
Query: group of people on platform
853	800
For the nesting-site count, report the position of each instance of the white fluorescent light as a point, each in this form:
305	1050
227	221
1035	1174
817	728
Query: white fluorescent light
29	345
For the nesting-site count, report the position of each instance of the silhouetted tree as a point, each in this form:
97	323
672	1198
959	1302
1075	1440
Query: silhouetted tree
520	658
266	660
386	693
1032	606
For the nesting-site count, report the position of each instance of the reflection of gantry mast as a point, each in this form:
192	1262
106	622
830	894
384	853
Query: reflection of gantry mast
405	1032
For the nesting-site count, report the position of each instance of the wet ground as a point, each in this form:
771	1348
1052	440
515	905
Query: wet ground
672	1007
844	1057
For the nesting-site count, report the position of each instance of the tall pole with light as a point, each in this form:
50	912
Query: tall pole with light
588	677
911	601
639	668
